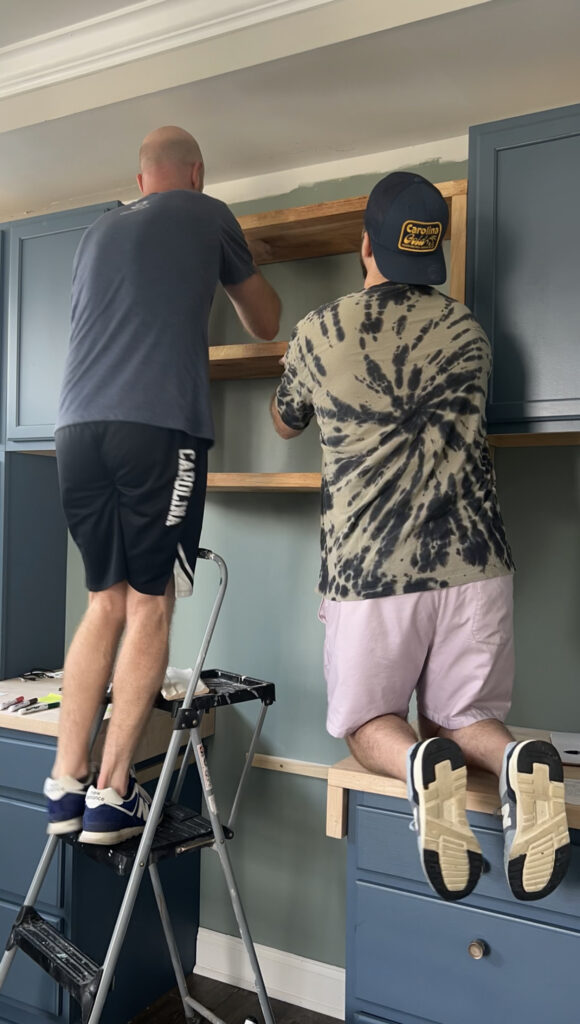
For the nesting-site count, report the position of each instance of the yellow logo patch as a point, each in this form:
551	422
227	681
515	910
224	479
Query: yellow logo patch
420	236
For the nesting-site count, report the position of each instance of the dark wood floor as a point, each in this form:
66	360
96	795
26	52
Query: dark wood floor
232	1004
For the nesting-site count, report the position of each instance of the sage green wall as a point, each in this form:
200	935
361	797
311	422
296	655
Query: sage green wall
292	877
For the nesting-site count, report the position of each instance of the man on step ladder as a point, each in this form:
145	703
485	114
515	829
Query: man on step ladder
132	435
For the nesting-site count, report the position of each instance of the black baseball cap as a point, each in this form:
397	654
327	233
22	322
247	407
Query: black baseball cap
406	218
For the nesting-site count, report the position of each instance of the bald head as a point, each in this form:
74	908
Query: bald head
170	158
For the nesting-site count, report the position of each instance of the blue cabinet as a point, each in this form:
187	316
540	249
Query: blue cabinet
36	260
40	254
34	561
82	897
408	952
522	266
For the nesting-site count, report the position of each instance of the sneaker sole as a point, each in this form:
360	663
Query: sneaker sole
110	838
450	853
540	852
62	828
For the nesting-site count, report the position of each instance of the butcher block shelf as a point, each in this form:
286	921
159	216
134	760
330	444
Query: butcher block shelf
327	229
306	482
246	362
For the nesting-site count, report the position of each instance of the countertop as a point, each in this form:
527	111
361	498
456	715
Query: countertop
153	742
482	789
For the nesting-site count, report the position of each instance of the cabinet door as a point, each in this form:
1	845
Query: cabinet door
41	253
32	625
522	266
413	961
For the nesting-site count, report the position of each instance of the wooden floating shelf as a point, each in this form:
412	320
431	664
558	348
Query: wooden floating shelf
305	482
246	362
546	440
322	229
328	229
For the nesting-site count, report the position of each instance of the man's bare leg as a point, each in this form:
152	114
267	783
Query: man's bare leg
87	671
382	744
483	743
139	675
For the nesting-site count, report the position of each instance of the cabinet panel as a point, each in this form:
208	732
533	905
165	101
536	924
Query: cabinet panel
523	223
23	827
41	253
528	971
24	763
34	574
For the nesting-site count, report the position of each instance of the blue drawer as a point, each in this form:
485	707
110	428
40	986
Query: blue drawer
23	831
386	845
24	762
26	983
411	961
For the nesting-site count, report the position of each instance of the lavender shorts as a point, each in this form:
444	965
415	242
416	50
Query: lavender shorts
454	647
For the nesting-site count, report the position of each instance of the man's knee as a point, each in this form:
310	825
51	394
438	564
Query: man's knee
155	609
110	603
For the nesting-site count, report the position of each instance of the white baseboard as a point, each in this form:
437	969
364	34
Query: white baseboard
294	979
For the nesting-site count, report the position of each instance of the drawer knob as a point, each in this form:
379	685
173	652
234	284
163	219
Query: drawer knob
478	949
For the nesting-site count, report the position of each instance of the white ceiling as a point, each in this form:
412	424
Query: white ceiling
382	90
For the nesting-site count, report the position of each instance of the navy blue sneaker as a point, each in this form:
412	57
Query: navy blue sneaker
66	804
110	818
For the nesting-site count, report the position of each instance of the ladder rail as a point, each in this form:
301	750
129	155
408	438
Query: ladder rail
222	586
220	847
247	767
156	809
198	667
183	768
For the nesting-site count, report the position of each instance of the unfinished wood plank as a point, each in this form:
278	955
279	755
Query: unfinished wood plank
246	362
336	812
320	229
304	482
482	787
311	769
154	740
458	246
541	440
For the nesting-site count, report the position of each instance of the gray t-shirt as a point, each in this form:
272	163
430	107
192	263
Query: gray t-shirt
144	278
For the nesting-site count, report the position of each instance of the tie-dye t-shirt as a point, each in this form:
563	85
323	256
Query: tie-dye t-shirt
396	376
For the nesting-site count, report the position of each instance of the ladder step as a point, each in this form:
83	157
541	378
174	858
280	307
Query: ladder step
63	961
179	831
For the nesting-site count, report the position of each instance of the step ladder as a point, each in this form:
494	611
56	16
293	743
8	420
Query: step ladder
171	831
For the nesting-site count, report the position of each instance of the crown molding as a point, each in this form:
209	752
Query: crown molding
131	33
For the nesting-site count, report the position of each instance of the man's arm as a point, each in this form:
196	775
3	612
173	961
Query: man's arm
258	306
279	426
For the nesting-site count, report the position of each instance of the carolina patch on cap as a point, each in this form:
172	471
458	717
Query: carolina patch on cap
420	235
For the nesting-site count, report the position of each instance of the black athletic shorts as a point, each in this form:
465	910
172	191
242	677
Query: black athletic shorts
133	496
